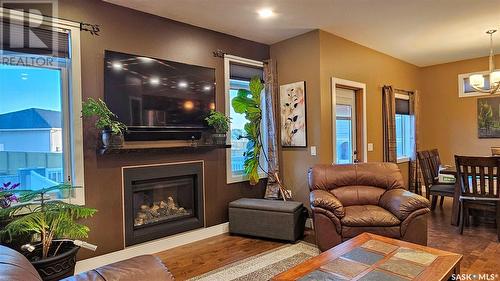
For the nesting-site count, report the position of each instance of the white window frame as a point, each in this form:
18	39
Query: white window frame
71	100
228	59
461	85
406	158
339	82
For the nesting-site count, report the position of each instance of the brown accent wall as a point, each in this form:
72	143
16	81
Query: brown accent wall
130	31
316	57
449	123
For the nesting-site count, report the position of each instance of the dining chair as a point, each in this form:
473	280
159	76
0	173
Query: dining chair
432	186
479	186
436	166
435	161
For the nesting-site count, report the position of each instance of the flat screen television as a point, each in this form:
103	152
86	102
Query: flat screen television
158	99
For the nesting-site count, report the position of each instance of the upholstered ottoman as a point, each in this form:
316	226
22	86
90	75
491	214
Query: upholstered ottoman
283	220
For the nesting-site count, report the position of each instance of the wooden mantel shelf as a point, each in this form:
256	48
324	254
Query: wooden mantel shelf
160	147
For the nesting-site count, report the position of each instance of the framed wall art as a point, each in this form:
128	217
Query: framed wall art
293	114
488	117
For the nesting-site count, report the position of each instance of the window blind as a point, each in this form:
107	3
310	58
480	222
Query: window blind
41	40
244	72
402	106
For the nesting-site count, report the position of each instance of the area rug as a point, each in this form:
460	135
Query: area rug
263	266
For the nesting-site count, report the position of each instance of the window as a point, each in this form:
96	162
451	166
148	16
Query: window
344	127
405	132
40	124
466	90
238	72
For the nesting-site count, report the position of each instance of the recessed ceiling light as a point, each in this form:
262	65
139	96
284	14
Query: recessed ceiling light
207	88
117	65
154	80
182	84
265	13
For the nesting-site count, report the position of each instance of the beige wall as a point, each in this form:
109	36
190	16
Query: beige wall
298	60
449	123
316	57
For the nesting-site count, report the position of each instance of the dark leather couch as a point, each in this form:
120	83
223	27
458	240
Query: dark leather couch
15	267
347	200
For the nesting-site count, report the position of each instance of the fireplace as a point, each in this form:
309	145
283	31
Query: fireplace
162	200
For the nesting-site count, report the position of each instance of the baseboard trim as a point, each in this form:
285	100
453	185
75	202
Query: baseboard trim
152	247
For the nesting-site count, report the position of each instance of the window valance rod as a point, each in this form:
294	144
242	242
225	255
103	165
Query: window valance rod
93	29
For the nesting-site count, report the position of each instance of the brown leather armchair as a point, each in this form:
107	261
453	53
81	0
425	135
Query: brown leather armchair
15	267
347	200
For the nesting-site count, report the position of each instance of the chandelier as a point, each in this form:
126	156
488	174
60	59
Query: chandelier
478	81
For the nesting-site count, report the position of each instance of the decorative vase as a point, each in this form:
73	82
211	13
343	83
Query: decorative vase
219	139
56	267
110	140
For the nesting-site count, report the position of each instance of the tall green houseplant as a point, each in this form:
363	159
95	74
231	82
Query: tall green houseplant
249	103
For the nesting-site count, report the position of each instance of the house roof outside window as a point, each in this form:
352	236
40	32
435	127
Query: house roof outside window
32	118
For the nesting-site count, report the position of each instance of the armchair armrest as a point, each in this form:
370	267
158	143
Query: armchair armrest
402	203
325	200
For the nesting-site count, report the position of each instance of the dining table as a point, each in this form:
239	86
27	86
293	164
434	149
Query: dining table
455	212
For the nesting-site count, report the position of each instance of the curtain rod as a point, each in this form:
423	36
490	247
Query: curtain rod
220	54
93	29
404	91
399	90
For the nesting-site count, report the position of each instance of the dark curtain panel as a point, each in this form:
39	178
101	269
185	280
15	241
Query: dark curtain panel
414	170
389	124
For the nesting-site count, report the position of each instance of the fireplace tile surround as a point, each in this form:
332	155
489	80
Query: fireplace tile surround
161	200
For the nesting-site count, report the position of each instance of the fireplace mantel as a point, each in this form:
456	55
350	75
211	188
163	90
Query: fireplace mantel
139	148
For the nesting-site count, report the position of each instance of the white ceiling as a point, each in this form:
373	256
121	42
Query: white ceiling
422	32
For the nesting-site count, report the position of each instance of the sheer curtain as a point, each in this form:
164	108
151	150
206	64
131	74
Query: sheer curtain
273	189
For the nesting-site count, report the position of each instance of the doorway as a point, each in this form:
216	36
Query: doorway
348	121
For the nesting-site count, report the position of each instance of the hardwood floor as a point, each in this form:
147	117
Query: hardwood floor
206	255
478	245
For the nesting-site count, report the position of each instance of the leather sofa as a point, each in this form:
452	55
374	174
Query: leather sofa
15	267
347	200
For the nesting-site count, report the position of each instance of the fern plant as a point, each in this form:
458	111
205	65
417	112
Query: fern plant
50	219
105	117
219	121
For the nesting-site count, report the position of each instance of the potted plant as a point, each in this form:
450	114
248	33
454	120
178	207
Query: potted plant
248	102
7	198
220	122
52	223
112	130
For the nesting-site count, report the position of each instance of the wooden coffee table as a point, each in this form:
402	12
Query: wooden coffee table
373	257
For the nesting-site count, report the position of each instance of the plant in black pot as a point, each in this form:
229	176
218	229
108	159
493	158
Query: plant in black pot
53	224
112	130
220	122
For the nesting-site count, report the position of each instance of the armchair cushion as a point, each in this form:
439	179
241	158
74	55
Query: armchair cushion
402	203
368	215
324	199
